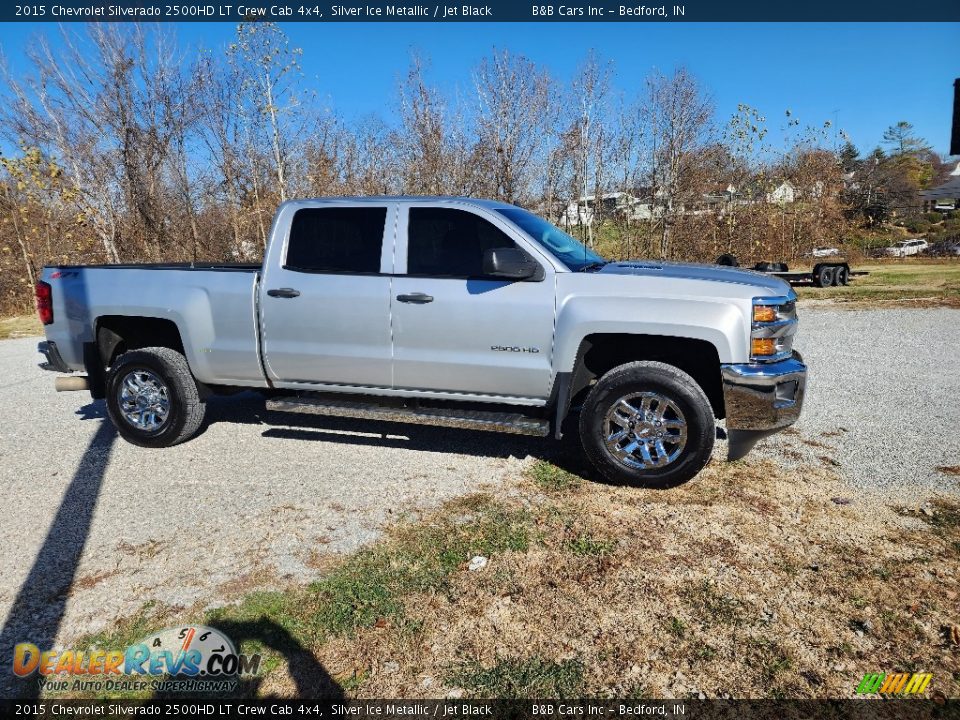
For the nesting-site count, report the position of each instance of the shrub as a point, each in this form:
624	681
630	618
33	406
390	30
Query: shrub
916	225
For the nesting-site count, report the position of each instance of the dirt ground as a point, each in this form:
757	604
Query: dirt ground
752	582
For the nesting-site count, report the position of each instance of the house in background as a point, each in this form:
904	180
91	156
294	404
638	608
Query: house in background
943	197
588	210
726	196
783	194
638	204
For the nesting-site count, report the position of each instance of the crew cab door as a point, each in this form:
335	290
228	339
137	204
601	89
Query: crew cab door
457	330
325	295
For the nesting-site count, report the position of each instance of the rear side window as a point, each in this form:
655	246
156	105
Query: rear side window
450	243
336	240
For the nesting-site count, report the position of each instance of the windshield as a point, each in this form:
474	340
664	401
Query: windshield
570	251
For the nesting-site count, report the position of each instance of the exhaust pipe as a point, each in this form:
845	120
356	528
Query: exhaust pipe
68	383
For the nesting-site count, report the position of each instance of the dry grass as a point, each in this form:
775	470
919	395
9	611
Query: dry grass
20	326
914	283
747	582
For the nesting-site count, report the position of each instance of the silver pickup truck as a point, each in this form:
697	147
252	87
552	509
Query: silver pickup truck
441	311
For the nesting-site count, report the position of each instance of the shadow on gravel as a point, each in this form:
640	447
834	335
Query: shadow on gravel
40	603
96	410
248	408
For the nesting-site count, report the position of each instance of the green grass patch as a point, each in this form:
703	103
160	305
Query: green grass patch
373	583
678	627
704	652
366	588
897	280
586	544
264	620
128	631
636	690
513	679
945	519
20	326
713	605
549	477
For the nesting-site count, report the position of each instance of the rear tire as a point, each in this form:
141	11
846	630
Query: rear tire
841	276
647	424
152	398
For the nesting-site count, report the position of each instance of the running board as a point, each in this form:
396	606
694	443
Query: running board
513	423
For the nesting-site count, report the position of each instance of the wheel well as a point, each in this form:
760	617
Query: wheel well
117	334
698	358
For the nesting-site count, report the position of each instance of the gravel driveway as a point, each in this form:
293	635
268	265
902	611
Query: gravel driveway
883	400
94	527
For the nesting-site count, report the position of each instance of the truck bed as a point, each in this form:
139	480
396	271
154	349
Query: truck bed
212	305
224	267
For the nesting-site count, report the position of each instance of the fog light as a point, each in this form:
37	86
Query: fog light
760	347
786	392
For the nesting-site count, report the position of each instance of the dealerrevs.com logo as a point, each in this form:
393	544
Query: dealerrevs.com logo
189	658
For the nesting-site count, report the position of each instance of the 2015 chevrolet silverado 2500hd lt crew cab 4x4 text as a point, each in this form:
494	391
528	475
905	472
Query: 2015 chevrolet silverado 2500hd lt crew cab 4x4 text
444	311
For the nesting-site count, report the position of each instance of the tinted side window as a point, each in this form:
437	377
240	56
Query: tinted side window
447	242
336	240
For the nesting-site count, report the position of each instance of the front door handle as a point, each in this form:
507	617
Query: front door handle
283	293
416	298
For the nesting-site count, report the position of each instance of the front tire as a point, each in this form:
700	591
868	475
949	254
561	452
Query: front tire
152	398
647	424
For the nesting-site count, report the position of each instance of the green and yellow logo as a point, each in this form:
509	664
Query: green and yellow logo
894	683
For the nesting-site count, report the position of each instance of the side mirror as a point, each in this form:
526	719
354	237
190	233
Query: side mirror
509	263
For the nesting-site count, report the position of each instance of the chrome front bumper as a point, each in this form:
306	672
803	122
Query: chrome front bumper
761	398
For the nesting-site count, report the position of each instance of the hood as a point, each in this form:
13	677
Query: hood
693	271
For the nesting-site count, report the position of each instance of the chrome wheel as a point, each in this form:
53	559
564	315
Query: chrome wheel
143	400
645	430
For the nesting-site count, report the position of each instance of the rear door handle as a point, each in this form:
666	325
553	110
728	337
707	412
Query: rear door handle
283	293
416	298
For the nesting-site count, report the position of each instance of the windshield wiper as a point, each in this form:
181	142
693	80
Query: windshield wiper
594	266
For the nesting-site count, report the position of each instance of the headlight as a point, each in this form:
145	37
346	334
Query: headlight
774	323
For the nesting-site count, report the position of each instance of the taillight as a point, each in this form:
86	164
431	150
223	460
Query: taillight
44	295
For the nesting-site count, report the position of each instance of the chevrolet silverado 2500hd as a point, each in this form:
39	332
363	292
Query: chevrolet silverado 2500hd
442	311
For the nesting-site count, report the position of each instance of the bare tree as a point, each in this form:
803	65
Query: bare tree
587	137
514	106
57	109
270	72
103	103
371	162
678	115
423	139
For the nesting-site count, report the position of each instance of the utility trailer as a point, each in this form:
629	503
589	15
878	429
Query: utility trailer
823	274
